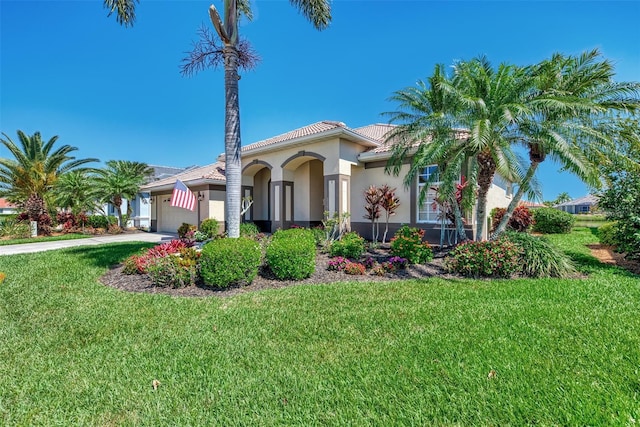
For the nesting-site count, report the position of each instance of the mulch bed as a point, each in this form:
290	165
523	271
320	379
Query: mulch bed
265	280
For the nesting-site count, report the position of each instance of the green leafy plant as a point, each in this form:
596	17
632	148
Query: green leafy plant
407	243
210	227
226	262
351	245
172	271
291	255
607	233
249	229
497	258
538	257
552	221
200	236
185	229
11	227
101	221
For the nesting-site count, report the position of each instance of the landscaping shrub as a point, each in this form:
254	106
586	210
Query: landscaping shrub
210	227
137	264
552	221
538	257
351	245
407	243
172	271
249	229
101	221
337	264
497	258
227	262
607	233
185	229
200	236
291	255
520	220
15	229
354	268
71	222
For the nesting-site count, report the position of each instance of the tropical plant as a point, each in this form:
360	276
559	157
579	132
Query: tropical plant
538	257
209	226
478	98
77	191
351	245
496	258
234	53
389	203
407	243
552	221
120	180
571	106
521	220
373	202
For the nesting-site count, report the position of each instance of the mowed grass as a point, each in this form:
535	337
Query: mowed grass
432	352
68	236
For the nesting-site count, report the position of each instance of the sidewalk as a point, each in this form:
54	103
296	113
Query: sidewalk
91	241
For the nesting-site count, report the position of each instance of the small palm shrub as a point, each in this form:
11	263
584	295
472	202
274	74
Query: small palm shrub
249	229
291	255
351	245
521	219
227	262
185	229
552	221
497	258
210	227
607	233
538	257
407	243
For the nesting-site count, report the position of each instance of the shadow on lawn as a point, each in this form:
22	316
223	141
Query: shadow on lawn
110	254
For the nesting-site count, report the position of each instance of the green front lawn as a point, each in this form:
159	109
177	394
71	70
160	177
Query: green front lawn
68	236
430	352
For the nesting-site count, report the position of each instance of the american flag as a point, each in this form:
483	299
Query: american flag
182	197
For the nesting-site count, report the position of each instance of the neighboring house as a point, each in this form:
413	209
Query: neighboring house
580	205
7	208
141	205
296	177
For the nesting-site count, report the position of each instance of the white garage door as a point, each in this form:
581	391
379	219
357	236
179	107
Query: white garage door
171	218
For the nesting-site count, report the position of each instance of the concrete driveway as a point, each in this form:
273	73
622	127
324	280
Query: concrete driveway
91	241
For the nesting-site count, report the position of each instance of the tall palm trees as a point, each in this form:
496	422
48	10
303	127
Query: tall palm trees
36	166
477	98
318	12
560	108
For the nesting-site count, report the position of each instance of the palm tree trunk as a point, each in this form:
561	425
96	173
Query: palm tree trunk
462	234
233	165
516	199
485	178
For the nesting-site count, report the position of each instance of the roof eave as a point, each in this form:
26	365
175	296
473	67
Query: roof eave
188	183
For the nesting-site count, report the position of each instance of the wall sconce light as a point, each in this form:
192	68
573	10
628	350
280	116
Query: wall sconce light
200	196
166	200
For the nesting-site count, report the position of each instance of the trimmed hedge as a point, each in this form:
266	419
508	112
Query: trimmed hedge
552	221
607	233
227	262
496	258
209	227
291	255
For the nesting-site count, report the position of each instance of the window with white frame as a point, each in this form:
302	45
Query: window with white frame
429	210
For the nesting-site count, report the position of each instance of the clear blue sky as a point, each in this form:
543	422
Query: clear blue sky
116	93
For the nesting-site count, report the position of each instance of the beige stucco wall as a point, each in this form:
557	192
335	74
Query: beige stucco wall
362	178
215	207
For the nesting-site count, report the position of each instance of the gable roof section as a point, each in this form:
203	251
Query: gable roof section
210	174
161	172
376	131
317	130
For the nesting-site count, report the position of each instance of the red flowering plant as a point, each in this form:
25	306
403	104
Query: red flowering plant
407	243
521	219
496	258
137	264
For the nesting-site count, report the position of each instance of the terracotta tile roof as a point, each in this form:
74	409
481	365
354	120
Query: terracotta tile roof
530	204
312	129
214	171
377	131
4	204
386	147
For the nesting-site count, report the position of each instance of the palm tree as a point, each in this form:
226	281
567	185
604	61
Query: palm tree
77	190
318	12
572	104
462	121
121	180
36	167
562	197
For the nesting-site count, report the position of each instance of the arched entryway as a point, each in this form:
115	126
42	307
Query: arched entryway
256	177
303	196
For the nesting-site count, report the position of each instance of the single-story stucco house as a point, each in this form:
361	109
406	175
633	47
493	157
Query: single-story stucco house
581	205
295	177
